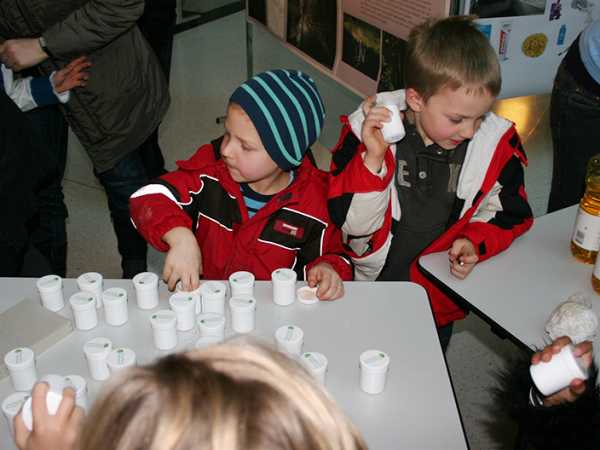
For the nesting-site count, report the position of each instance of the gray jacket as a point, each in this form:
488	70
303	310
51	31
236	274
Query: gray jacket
126	95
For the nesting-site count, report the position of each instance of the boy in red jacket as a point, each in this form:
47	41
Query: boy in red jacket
250	200
453	183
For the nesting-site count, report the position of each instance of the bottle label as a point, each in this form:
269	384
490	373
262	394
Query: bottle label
586	233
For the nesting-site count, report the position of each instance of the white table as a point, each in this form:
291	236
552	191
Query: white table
518	289
417	410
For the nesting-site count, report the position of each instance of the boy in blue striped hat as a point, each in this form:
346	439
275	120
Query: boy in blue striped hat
252	199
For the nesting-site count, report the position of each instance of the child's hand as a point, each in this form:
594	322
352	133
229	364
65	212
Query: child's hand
375	116
57	432
577	386
329	282
72	75
184	261
463	257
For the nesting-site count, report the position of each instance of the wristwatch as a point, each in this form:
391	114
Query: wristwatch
44	45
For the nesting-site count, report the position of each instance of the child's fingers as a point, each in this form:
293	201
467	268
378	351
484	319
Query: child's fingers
313	277
167	271
66	405
324	285
39	409
21	431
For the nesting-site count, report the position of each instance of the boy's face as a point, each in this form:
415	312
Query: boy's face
243	151
449	116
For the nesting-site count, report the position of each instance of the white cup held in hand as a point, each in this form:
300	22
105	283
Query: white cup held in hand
164	329
284	286
11	406
94	283
374	365
316	364
51	292
54	396
243	311
211	324
146	290
242	283
289	339
556	374
21	367
115	306
96	353
213	297
83	305
79	385
183	305
393	131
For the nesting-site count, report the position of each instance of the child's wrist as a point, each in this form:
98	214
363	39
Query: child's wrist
374	163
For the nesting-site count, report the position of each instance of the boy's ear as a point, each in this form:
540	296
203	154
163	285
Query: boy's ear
414	100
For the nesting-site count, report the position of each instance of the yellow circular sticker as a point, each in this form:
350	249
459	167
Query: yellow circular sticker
534	45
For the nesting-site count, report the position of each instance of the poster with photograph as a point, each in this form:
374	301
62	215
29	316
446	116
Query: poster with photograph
506	8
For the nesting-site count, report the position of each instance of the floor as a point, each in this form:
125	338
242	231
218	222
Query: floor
208	63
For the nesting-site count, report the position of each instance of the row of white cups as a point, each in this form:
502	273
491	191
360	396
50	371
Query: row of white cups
203	308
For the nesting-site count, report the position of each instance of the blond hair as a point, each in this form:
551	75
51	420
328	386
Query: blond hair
452	53
233	396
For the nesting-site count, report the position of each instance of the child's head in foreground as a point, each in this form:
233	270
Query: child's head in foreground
232	396
452	77
272	120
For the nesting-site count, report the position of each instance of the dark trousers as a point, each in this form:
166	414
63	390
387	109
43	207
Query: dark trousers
575	126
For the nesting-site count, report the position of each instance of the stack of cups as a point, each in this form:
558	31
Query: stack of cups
289	340
196	293
284	286
115	306
54	397
211	324
146	290
316	364
11	406
307	295
84	310
164	330
50	289
120	358
206	341
92	282
243	311
213	297
556	374
21	367
184	306
79	385
374	365
96	352
242	283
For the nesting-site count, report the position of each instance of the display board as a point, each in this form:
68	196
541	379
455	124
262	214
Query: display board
361	43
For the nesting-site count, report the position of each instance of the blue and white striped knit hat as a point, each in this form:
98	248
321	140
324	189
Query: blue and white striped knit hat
287	111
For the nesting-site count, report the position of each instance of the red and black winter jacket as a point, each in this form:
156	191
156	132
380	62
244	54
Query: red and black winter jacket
292	230
493	207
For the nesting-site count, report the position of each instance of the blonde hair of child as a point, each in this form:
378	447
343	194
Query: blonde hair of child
452	53
233	396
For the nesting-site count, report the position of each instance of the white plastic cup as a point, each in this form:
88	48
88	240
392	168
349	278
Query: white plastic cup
307	295
11	406
556	374
211	324
316	364
51	292
146	290
284	286
213	297
243	311
94	283
96	353
54	396
21	367
79	385
393	131
196	293
83	305
206	341
183	305
242	283
120	358
289	339
164	329
374	365
115	306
